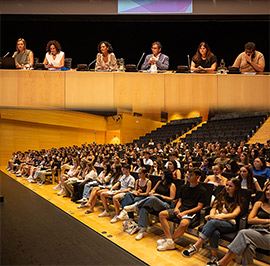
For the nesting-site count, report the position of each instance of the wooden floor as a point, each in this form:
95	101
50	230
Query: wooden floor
144	249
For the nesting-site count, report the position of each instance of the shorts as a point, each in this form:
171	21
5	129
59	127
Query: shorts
172	217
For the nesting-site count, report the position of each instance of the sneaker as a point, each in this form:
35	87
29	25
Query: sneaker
41	183
169	244
123	215
58	187
189	252
61	192
115	219
212	261
31	180
161	241
131	208
140	235
18	175
104	214
82	200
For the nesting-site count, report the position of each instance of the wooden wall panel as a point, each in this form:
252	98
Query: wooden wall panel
252	91
9	88
89	90
190	91
41	89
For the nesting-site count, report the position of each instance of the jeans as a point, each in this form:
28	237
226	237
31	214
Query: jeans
129	199
87	190
214	228
148	205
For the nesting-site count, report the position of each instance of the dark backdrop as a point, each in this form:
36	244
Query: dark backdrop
131	35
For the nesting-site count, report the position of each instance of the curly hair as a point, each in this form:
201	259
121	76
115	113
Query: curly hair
107	44
56	45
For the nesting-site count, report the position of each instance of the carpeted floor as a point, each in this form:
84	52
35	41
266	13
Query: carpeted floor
35	232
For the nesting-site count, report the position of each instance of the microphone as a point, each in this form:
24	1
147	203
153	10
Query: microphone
92	63
140	59
6	55
188	61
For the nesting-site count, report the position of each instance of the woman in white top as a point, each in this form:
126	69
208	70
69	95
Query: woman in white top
106	59
55	58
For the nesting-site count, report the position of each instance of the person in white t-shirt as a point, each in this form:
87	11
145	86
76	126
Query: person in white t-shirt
54	58
147	160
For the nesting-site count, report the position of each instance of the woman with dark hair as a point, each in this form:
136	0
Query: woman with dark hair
217	179
54	58
247	240
226	207
243	159
156	168
96	191
173	168
247	180
22	56
204	59
159	199
106	59
260	167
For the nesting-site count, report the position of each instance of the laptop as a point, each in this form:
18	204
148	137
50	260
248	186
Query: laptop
7	63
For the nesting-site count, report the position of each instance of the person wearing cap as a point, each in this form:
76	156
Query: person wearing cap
173	156
147	160
250	60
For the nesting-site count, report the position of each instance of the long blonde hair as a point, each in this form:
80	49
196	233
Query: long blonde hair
24	42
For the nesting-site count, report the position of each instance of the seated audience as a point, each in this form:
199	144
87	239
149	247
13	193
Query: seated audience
258	236
173	168
190	202
217	178
117	193
159	199
226	207
250	60
142	189
259	167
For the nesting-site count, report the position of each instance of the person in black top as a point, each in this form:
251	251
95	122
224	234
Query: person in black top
191	200
204	59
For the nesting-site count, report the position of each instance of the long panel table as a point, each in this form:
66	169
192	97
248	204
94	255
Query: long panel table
139	92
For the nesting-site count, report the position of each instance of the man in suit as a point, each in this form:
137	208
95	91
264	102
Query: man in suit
156	60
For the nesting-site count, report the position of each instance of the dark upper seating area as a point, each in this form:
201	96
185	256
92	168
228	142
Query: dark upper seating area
170	131
227	128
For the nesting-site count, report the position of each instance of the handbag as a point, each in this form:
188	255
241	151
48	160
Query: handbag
130	226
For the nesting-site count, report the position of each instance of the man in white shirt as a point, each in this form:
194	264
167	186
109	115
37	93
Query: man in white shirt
147	160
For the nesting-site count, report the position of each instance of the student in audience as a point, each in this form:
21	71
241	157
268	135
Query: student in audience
138	166
106	59
142	189
147	160
217	179
23	56
204	59
226	207
222	159
250	60
73	172
259	167
159	199
247	240
54	58
244	159
247	180
206	165
84	187
173	168
117	193
96	191
190	202
156	168
156	60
